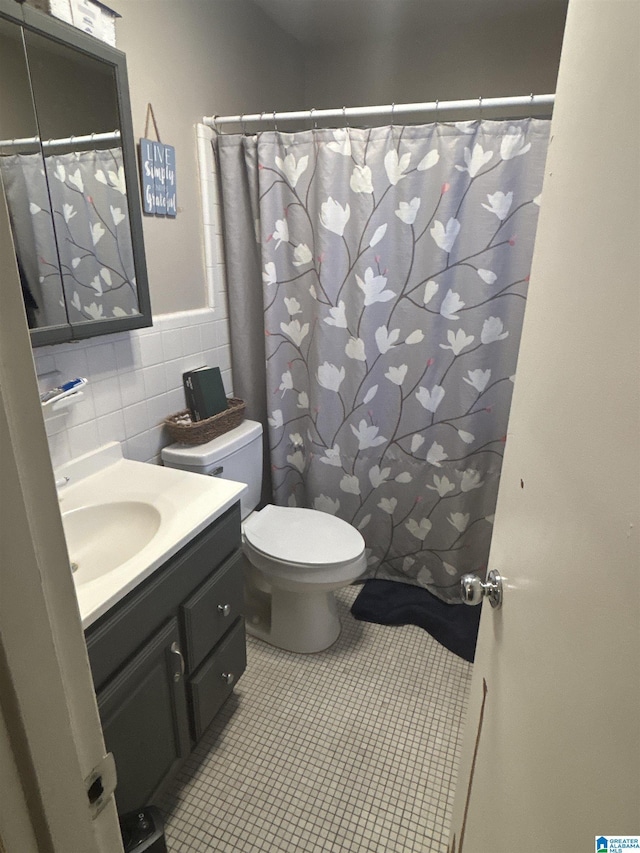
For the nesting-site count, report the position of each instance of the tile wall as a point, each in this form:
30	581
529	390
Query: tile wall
135	378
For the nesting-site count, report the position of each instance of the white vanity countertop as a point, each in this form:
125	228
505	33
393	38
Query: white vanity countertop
187	503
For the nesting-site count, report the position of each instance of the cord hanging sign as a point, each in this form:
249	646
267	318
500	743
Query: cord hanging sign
158	170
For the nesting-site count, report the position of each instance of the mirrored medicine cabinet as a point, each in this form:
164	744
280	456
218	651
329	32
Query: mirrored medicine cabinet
69	175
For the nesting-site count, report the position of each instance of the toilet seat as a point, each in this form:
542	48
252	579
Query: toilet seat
302	538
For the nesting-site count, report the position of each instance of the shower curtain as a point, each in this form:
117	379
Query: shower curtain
76	221
377	284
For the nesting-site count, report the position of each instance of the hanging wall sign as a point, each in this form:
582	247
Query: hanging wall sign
158	170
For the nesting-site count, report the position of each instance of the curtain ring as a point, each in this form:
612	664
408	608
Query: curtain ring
243	124
393	106
531	96
437	107
275	126
315	123
344	117
480	105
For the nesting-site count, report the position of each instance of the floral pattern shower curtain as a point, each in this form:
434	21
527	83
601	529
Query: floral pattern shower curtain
394	264
84	198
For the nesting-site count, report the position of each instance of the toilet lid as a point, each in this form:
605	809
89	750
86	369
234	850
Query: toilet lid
295	535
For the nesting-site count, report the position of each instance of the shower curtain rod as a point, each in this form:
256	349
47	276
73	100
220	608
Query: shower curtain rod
389	109
69	140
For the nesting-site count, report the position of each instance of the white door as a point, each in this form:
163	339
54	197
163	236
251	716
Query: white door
551	757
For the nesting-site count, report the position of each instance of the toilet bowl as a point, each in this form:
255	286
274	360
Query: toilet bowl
295	558
298	558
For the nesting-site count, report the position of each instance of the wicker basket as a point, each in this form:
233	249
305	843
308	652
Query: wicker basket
185	431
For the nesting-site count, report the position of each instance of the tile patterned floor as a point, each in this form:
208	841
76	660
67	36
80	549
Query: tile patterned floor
353	749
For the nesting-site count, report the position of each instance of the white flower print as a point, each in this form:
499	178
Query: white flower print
75	301
96	284
332	456
419	529
106	276
269	276
442	485
276	420
76	180
350	484
97	233
460	520
488	276
355	349
325	504
367	435
94	311
118	181
512	144
457	341
449	569
60	172
297	460
404	477
386	339
287	382
334	216
467	437
430	399
68	212
430	290
388	505
342	143
303	400
75	262
407	563
499	204
415	337
360	181
293	306
471	479
475	160
117	215
34	208
373	287
330	376
338	316
436	455
537	200
445	237
295	331
378	476
291	169
378	234
371	393
416	443
99	176
407	212
397	374
424	576
302	255
364	521
450	304
281	234
479	379
429	160
493	330
395	166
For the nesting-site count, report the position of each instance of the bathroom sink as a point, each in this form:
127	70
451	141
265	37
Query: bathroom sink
102	537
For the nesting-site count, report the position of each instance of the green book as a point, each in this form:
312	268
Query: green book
205	392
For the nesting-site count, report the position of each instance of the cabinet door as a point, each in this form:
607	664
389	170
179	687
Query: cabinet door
144	718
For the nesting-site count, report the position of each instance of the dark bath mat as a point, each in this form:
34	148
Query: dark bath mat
392	603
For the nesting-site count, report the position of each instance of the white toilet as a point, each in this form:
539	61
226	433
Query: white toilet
296	557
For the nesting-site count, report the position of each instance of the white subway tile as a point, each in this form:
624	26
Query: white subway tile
138	447
155	381
192	339
159	408
106	396
131	388
101	361
151	349
83	438
44	364
136	419
72	363
172	344
128	354
59	449
111	427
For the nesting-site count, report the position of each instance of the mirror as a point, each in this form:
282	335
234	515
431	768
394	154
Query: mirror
67	163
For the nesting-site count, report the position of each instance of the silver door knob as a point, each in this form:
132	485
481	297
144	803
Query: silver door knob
224	609
473	589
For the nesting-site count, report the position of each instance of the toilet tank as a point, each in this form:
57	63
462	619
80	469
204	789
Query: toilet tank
236	455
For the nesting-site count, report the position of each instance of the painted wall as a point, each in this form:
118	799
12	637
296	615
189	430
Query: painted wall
190	59
459	52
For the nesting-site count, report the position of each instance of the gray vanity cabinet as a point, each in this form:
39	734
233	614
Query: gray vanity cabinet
166	658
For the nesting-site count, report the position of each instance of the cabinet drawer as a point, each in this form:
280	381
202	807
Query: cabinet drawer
211	610
214	681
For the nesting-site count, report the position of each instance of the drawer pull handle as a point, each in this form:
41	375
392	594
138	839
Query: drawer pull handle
228	677
225	609
175	650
